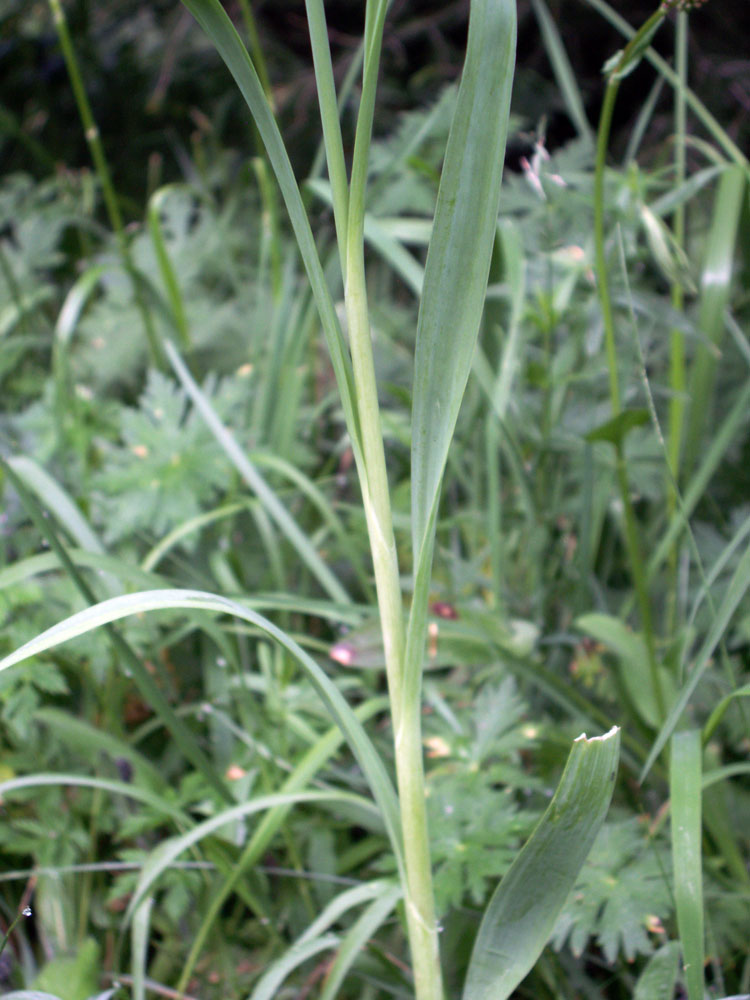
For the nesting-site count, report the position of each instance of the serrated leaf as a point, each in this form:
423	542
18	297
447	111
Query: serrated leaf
620	892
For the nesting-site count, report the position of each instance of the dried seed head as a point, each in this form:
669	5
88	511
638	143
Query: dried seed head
685	5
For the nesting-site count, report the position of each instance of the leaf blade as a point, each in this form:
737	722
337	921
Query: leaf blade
458	258
524	907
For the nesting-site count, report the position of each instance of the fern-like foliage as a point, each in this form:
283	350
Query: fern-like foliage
621	894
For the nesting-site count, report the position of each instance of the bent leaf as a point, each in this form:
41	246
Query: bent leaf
138	603
522	912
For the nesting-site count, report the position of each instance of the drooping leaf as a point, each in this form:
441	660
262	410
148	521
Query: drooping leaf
138	603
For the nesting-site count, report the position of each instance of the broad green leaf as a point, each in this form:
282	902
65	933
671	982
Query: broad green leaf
138	603
685	792
658	979
522	912
75	977
458	259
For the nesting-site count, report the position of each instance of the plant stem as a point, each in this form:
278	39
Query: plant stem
677	375
632	542
406	717
91	132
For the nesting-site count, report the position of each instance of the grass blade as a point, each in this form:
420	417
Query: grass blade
168	851
356	938
256	482
140	941
715	288
138	603
458	259
148	688
215	22
523	909
685	789
736	590
268	987
54	498
562	69
316	756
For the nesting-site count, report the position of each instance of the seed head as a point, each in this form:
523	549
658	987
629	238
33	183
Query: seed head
685	5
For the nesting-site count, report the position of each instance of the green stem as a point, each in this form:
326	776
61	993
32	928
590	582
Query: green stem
677	373
406	716
91	132
25	912
636	44
698	108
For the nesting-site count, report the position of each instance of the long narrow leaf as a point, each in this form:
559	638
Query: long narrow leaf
736	590
214	20
138	603
168	851
685	789
256	482
357	936
523	910
716	280
458	259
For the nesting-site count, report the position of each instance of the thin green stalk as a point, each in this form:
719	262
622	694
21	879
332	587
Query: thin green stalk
677	371
698	108
25	912
630	54
91	132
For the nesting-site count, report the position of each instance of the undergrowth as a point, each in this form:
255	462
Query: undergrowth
591	570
